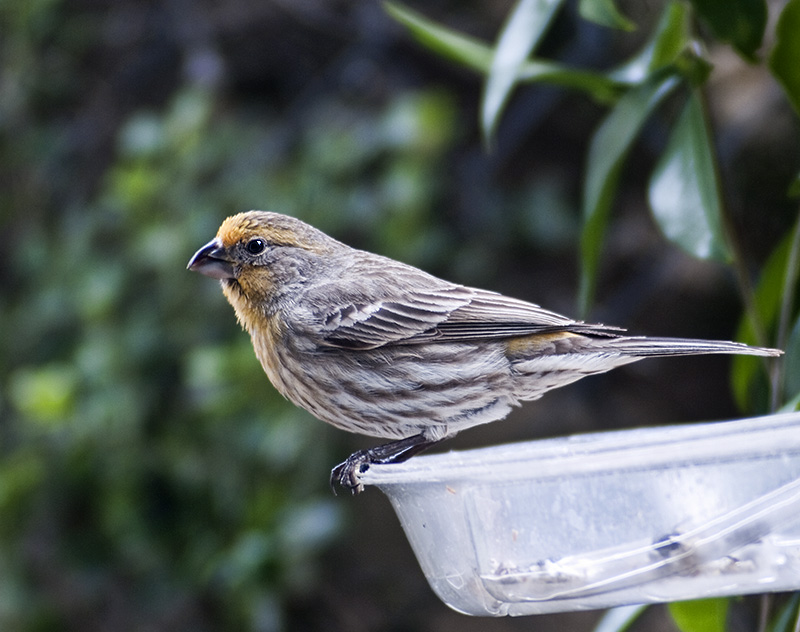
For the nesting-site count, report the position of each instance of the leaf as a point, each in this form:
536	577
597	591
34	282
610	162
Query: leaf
784	61
477	55
525	27
746	370
450	44
684	192
598	86
702	615
609	146
619	619
605	13
740	23
671	44
791	361
669	39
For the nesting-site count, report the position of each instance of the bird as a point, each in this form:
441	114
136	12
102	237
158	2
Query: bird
381	348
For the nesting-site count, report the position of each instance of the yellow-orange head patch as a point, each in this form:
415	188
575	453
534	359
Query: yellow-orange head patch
274	228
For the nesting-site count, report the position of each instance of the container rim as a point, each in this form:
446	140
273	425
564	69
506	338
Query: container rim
638	448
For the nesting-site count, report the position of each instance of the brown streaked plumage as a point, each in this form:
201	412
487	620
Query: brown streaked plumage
381	348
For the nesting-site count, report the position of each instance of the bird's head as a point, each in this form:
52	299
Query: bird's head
256	253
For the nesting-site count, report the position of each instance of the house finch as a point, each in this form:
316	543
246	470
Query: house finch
380	348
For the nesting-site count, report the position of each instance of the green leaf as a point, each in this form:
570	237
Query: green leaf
747	370
669	39
791	361
450	44
784	61
525	27
609	146
671	44
605	13
477	55
684	193
598	86
740	23
702	615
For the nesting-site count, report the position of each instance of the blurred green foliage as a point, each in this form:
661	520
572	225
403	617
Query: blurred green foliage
150	478
143	452
783	58
703	615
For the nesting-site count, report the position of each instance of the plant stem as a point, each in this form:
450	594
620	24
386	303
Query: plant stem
763	612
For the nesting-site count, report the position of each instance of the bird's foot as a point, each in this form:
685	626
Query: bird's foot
348	473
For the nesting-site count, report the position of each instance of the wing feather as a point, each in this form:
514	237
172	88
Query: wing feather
454	313
405	317
375	302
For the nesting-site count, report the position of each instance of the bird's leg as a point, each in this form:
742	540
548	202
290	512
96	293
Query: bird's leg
348	473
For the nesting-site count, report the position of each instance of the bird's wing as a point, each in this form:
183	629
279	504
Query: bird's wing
440	312
491	315
401	318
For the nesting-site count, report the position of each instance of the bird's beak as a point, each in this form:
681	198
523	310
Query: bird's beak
213	261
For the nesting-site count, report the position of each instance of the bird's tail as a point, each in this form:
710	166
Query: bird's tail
643	347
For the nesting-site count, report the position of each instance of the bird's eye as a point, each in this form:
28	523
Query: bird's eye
256	246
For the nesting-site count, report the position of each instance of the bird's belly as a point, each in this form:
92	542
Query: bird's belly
399	391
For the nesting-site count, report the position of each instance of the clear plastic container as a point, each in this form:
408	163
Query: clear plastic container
601	520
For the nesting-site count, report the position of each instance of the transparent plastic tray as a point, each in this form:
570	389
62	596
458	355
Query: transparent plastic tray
606	519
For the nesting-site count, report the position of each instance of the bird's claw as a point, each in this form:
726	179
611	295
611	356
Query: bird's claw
348	473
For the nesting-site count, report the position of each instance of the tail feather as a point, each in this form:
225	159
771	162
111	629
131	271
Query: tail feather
650	347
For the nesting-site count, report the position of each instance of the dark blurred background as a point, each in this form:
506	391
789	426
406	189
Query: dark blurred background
150	477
